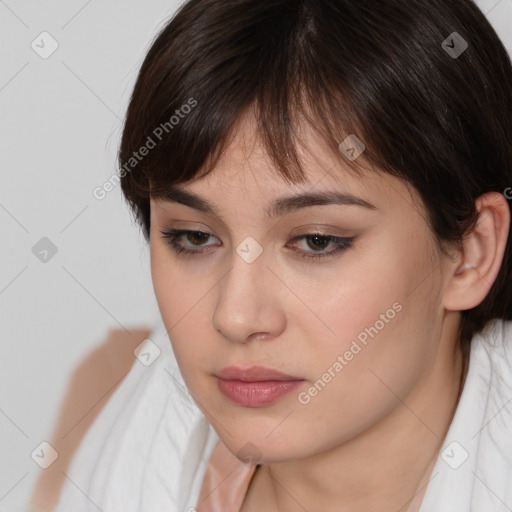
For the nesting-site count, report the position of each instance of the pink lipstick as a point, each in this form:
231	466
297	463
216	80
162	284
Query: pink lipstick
256	386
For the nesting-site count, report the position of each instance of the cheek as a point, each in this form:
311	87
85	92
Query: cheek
174	298
183	303
362	295
378	313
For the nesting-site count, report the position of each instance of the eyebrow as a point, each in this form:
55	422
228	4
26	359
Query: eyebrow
278	207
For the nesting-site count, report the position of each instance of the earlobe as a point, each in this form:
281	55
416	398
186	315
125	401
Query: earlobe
482	251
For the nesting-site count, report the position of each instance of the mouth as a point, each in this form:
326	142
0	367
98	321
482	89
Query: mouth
256	386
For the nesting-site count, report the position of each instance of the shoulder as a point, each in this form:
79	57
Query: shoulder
493	347
496	343
492	353
151	411
474	466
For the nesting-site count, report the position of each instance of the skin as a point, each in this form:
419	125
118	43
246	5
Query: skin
366	440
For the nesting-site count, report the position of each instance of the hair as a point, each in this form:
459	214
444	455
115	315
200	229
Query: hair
380	69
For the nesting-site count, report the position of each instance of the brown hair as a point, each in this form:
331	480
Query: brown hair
429	110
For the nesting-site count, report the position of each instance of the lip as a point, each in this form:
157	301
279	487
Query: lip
254	374
256	386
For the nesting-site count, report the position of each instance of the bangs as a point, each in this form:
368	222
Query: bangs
272	64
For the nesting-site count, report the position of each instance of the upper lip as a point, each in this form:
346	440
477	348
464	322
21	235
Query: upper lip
253	374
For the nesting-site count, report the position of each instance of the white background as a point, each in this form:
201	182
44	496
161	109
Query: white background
60	125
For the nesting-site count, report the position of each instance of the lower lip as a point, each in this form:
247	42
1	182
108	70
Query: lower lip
256	394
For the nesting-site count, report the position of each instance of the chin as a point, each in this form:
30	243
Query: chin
258	449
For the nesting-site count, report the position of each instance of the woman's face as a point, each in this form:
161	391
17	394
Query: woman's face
355	320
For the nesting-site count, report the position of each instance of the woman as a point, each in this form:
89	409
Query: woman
325	189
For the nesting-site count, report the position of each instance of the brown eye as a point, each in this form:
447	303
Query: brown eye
197	237
317	242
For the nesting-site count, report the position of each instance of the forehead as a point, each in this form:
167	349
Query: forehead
245	163
245	175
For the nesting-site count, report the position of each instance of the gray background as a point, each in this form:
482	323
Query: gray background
59	130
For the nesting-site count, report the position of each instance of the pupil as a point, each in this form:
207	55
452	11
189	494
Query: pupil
316	238
197	235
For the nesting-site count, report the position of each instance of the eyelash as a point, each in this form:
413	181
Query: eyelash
343	243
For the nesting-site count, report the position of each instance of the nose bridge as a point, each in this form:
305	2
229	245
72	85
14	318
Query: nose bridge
247	298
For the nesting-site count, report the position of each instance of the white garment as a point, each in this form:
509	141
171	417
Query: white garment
148	448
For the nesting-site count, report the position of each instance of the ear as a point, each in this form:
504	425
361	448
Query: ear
472	275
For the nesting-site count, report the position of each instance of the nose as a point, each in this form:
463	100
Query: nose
249	302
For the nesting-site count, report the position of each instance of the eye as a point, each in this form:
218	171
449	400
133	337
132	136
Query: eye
172	236
317	241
